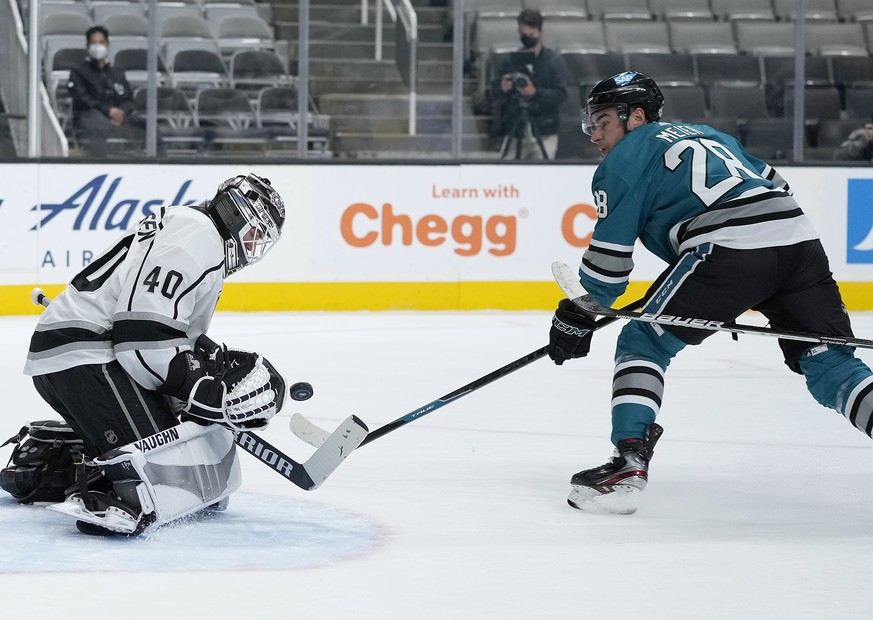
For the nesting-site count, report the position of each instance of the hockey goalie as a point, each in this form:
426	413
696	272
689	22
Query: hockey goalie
149	402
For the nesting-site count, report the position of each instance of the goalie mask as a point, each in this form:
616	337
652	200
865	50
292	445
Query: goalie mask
623	92
249	215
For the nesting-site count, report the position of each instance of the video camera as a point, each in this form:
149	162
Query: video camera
520	64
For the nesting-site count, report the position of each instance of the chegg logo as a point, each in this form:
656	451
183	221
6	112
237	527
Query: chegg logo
362	225
570	221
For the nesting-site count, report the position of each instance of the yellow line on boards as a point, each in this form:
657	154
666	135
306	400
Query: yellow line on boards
349	296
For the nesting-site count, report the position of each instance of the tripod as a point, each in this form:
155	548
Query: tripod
522	128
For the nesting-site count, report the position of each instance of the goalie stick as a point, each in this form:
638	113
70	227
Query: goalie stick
314	435
307	475
569	283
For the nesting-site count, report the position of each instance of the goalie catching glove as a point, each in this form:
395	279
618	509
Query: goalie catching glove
570	335
234	388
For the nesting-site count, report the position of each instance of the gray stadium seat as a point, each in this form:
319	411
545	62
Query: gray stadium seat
167	11
670	69
230	120
728	70
770	139
278	114
494	30
816	10
133	62
834	39
819	103
670	10
102	11
852	71
627	36
702	37
588	69
257	69
779	70
173	108
859	102
185	27
57	72
550	7
575	34
193	69
764	38
743	10
64	23
742	103
177	132
684	103
47	8
128	25
855	10
217	12
244	31
619	9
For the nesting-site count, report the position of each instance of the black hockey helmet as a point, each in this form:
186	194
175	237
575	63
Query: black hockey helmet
249	215
623	92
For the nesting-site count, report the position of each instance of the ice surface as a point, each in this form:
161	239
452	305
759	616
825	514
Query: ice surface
760	502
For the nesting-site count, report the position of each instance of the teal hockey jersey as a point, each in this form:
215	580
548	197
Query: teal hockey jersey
675	186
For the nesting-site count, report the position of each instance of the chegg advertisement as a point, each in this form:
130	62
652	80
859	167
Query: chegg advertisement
376	236
460	223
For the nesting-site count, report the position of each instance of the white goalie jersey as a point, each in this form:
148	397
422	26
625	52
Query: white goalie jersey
144	300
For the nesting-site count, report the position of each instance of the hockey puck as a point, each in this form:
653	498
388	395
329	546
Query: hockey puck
301	391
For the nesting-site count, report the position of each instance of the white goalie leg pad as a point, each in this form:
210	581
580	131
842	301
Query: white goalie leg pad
182	469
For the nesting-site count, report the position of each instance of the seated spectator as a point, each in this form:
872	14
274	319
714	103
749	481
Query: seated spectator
103	104
858	146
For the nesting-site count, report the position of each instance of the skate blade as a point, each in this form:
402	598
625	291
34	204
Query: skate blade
113	520
624	500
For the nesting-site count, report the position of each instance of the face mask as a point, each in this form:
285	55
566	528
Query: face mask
529	41
98	51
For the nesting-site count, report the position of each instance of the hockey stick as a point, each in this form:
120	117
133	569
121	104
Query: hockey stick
308	475
569	283
315	435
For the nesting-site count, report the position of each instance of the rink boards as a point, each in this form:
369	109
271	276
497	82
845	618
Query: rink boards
380	236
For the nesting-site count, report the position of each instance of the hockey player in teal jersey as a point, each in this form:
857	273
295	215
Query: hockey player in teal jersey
734	238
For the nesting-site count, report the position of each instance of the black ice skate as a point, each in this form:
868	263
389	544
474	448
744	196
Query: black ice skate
615	486
102	514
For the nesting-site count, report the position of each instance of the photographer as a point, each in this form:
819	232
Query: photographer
527	94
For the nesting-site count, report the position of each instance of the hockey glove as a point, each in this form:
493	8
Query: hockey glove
570	335
237	389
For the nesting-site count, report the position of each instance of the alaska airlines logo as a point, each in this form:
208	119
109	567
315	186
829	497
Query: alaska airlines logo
859	222
96	206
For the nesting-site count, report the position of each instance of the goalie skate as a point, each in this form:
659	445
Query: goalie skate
614	487
108	514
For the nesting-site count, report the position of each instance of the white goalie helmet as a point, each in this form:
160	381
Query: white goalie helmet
249	215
